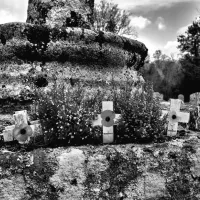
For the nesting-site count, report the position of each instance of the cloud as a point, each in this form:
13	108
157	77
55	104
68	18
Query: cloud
5	17
13	10
152	4
160	22
139	22
182	30
171	48
151	45
161	26
14	4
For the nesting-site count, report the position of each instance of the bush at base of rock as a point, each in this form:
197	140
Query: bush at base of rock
140	121
67	114
64	115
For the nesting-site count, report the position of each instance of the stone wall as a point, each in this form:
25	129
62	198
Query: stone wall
69	13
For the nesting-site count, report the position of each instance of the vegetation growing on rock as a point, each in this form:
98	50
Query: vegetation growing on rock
61	13
37	43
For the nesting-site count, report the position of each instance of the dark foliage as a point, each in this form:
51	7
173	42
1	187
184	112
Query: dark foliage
3	39
76	20
167	77
140	121
40	81
86	43
38	36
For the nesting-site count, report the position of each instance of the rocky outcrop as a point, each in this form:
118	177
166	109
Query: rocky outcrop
67	13
156	171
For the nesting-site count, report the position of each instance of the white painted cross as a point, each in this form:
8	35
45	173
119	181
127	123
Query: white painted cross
175	116
105	119
21	117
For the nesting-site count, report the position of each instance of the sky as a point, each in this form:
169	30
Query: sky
157	22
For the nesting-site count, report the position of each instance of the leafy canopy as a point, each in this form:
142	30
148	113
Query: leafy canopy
190	41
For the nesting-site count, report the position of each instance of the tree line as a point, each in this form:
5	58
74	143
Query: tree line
173	77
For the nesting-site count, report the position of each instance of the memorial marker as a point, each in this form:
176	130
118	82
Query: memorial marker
21	117
107	119
175	116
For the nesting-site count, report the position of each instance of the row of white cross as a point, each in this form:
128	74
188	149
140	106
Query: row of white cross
106	119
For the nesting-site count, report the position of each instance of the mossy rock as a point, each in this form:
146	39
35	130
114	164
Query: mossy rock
30	42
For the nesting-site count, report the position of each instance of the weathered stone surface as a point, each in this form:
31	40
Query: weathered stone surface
154	185
68	13
12	188
77	173
70	174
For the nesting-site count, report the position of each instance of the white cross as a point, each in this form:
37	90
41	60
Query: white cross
19	118
108	132
175	116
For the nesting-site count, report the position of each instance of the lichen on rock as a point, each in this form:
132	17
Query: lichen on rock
69	177
76	13
88	172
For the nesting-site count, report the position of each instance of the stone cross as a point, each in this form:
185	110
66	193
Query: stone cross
19	118
175	116
107	119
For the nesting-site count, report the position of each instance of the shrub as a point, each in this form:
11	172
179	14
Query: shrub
66	115
140	114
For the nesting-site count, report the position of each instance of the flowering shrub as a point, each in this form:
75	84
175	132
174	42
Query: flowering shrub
66	115
140	114
66	112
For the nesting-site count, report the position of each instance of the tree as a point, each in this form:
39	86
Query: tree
109	18
165	57
157	54
190	41
190	47
166	76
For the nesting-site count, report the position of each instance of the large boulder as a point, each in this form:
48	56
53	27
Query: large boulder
67	13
